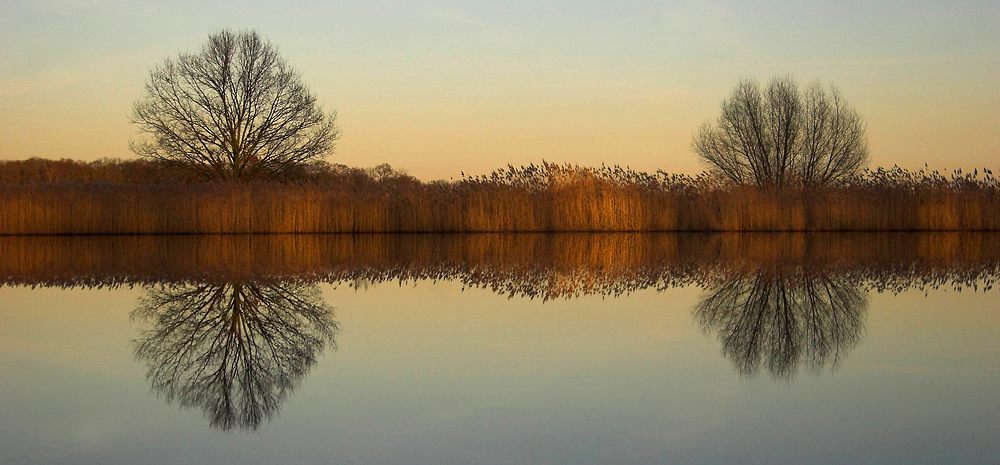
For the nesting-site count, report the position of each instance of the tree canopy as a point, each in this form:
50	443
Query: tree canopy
233	110
782	136
235	349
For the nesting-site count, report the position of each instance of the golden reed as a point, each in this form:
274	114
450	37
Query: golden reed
543	198
278	208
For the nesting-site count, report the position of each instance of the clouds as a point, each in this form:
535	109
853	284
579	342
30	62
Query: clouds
70	7
17	87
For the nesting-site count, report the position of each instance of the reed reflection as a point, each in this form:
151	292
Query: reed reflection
778	302
781	320
234	350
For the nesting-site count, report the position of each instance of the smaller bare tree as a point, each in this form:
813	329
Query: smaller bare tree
781	136
784	319
234	110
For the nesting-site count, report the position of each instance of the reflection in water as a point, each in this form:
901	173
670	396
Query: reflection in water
543	266
784	320
235	350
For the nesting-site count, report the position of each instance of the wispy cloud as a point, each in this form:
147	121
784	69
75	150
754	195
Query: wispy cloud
103	68
453	15
69	7
901	61
15	87
489	32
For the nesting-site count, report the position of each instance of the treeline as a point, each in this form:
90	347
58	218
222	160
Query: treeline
103	198
38	171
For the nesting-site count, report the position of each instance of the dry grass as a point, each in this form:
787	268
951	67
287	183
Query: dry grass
545	198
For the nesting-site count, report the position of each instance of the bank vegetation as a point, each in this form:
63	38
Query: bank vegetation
143	197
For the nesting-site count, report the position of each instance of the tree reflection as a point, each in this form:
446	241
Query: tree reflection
235	350
783	320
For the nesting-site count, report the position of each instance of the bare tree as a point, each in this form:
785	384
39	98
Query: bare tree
781	136
783	319
236	350
234	110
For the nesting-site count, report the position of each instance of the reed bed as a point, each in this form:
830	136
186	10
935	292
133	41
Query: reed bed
537	198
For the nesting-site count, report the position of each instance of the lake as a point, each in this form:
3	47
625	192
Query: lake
501	348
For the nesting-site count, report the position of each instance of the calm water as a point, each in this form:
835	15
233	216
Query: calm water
557	349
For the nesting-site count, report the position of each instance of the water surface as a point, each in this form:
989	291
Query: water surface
535	348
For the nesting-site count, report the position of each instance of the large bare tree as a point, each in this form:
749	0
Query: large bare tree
236	350
781	136
234	110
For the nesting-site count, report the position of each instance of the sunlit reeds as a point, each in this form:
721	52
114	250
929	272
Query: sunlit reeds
537	198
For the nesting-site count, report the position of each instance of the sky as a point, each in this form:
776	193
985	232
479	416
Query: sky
442	88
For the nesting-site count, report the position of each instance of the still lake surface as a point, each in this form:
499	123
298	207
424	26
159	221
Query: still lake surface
501	348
